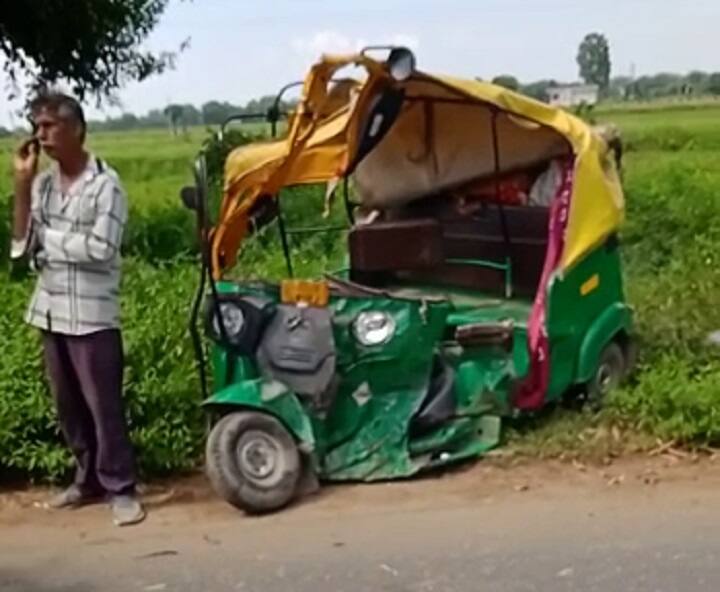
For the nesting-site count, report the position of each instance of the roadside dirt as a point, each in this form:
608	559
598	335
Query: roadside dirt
189	499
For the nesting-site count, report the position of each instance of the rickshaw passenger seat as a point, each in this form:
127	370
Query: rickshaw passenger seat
418	250
389	246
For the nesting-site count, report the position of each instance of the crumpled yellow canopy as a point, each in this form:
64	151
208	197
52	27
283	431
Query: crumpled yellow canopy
442	138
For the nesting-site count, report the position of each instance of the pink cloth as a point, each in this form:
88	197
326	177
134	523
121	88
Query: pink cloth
531	394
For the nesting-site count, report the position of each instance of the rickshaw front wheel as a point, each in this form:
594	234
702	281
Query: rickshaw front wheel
253	462
608	376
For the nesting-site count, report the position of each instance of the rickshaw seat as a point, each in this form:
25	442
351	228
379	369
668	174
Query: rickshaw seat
388	246
431	250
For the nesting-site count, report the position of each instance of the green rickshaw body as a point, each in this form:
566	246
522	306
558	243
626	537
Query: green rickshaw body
587	312
367	432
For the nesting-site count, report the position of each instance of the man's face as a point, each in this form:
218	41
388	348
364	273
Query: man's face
58	135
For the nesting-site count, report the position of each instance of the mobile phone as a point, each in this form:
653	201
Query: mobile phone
35	142
25	148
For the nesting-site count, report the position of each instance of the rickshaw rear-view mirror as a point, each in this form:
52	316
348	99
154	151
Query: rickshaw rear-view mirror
188	195
401	63
384	110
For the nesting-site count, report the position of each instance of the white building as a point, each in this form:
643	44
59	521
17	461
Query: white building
572	95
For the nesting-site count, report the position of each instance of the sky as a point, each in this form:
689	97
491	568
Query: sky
242	49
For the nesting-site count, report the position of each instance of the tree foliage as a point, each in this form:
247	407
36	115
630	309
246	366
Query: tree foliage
714	83
92	45
538	89
216	112
594	60
507	81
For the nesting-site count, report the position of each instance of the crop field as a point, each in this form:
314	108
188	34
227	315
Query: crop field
671	243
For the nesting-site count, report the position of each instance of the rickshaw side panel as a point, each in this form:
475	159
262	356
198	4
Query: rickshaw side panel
228	368
363	433
586	311
381	389
271	398
615	321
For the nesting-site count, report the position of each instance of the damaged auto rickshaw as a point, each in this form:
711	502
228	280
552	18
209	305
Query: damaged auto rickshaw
483	281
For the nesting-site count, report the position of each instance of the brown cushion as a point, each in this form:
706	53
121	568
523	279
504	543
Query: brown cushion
384	246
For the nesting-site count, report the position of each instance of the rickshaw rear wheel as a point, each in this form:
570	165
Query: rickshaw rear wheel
253	462
608	375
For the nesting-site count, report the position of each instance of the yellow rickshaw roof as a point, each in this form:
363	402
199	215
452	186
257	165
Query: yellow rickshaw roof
442	137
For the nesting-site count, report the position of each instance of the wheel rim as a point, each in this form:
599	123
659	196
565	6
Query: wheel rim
259	455
608	377
605	378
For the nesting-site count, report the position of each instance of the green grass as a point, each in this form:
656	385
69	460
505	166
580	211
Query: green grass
671	130
658	105
672	267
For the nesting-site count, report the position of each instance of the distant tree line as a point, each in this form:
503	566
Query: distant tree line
658	86
595	67
177	117
664	85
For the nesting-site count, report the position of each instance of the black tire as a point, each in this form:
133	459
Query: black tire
253	462
630	350
609	374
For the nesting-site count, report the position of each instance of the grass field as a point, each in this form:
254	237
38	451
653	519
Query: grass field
671	249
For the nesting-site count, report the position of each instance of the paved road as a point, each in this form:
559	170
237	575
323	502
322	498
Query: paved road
542	529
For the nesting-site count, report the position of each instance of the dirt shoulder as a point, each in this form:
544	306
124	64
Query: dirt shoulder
184	499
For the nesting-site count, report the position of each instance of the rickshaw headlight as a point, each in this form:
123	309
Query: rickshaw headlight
233	320
237	323
374	328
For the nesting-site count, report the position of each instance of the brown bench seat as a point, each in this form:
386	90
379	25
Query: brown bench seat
430	251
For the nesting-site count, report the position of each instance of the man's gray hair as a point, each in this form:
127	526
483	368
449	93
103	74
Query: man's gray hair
61	104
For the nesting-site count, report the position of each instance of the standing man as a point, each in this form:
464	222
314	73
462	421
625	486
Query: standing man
69	221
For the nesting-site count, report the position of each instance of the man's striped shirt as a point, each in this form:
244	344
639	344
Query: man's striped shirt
74	244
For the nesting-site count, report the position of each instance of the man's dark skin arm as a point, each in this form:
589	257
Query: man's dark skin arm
25	163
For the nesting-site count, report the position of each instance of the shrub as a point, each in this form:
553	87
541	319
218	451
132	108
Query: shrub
161	384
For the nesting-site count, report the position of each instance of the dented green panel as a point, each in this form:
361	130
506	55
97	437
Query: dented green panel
366	430
366	434
576	304
273	398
